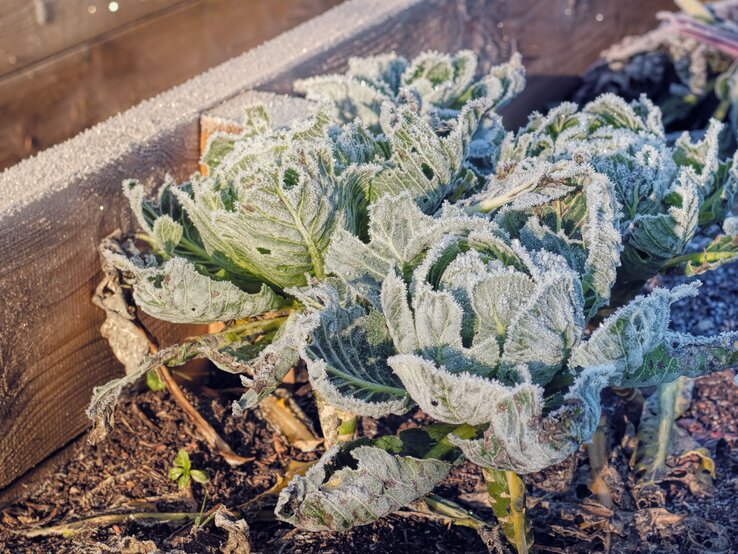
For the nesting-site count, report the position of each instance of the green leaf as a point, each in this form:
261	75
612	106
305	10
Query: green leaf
175	473
182	460
184	481
154	382
199	476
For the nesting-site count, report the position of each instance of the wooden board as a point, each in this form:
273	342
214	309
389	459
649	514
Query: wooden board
51	351
33	30
60	96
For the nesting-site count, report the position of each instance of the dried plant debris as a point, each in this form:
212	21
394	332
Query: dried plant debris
685	65
414	253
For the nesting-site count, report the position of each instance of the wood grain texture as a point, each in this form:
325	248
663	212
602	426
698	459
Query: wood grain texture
62	95
33	30
51	351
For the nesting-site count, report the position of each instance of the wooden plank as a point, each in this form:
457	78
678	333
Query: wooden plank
33	30
49	231
56	99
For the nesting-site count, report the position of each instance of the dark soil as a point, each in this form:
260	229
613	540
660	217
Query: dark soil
128	473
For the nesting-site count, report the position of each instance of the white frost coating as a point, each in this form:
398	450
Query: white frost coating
330	497
625	338
269	367
730	226
455	397
434	80
347	358
80	162
177	292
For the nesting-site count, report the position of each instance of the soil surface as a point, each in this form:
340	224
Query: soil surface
687	511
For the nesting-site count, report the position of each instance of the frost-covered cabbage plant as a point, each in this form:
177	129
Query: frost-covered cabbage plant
405	270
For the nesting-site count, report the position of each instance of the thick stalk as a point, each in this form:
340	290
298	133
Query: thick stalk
506	492
338	425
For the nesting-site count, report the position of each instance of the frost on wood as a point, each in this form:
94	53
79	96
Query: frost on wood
356	485
441	82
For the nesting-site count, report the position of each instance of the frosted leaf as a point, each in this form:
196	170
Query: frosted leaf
614	112
356	485
702	156
720	193
428	166
398	315
627	336
167	234
265	370
360	92
652	240
521	438
271	206
347	358
172	233
566	208
547	326
502	83
730	226
440	81
450	397
175	291
220	144
437	318
474	295
394	224
399	232
496	299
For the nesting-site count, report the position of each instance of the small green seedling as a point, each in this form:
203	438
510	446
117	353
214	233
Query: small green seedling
182	471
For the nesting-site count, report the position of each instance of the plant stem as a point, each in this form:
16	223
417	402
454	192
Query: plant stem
698	257
507	498
70	529
337	425
445	446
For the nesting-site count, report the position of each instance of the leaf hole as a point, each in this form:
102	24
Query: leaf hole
427	171
264	251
